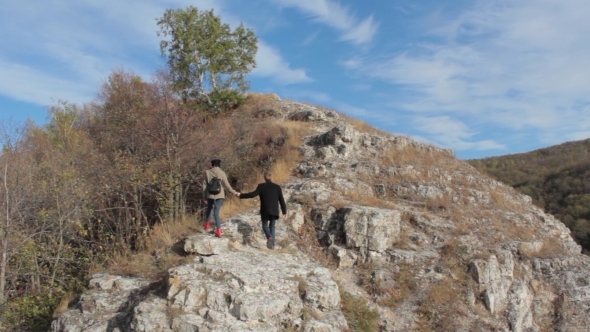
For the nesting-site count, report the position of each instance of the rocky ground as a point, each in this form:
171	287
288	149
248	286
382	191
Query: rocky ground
423	239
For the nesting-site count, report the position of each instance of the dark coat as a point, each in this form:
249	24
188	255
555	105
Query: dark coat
271	196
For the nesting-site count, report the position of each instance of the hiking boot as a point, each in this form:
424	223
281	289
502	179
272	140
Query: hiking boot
270	242
207	225
218	232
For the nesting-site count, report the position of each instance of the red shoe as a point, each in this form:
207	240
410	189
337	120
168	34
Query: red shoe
207	225
218	232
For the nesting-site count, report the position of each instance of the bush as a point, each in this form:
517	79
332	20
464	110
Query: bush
359	316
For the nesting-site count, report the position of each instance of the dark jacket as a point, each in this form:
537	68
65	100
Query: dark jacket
271	196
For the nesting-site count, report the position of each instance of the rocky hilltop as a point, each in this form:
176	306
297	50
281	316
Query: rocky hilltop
419	239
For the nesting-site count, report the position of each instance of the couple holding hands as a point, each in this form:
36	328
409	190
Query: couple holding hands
270	195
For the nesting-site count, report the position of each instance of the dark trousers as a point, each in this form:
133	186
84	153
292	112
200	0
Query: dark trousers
269	221
217	203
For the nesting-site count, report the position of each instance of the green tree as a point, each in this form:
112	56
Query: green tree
207	60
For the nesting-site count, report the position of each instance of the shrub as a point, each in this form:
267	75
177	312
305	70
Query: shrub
359	316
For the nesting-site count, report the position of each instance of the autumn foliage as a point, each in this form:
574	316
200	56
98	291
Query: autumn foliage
95	181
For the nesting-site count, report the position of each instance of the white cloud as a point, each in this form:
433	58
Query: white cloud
452	133
30	85
520	65
271	64
338	17
66	47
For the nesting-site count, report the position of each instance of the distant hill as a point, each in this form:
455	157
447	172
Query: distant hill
557	178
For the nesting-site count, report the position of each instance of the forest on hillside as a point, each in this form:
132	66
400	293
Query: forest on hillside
557	178
92	184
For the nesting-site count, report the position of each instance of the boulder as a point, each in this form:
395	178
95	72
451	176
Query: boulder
206	244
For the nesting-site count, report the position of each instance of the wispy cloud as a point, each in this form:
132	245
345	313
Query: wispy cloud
357	31
517	64
452	133
271	64
33	86
65	48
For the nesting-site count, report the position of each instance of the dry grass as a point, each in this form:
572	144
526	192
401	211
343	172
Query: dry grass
388	294
256	102
364	127
507	201
439	309
309	244
282	171
158	255
140	264
405	284
403	240
168	233
460	218
302	285
440	203
64	304
360	196
289	154
550	249
358	315
414	154
234	205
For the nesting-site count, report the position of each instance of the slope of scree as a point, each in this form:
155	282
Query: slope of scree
423	239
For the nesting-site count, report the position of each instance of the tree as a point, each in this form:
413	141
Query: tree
205	57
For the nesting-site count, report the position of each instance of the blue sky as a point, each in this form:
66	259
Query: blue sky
480	77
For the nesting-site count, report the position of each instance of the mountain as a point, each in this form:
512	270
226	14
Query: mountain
557	178
383	234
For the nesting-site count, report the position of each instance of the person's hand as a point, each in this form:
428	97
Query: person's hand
238	194
205	201
284	216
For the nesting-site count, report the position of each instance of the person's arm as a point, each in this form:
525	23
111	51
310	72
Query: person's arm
251	194
227	185
282	202
205	181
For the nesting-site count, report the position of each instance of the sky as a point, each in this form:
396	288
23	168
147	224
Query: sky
483	78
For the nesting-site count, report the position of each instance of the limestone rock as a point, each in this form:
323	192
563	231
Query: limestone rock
202	244
526	270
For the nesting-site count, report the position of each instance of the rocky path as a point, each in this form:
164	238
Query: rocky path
234	284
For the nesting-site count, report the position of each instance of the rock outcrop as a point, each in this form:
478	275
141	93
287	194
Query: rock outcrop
424	239
250	290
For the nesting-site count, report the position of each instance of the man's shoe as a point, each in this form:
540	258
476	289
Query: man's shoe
218	232
207	225
269	243
272	243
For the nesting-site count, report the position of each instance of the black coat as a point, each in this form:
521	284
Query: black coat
271	196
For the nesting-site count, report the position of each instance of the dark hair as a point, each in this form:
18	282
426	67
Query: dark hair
216	162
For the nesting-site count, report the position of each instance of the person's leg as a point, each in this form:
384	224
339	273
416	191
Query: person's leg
265	227
266	231
272	221
218	204
210	203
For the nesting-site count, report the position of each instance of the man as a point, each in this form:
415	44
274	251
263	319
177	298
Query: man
215	200
271	196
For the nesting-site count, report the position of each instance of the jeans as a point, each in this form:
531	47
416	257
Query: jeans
217	203
265	223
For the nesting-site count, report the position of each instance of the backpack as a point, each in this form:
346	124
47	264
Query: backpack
214	186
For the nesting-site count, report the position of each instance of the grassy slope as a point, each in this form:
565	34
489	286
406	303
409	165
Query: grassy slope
557	178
